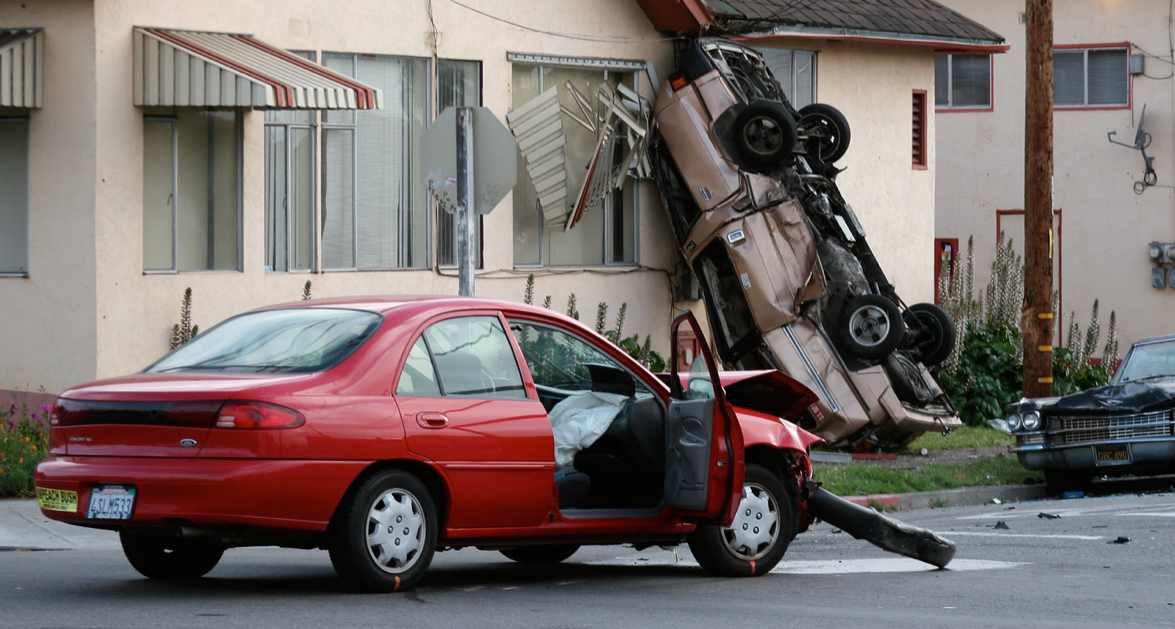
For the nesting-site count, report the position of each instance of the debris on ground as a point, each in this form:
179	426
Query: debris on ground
1048	516
1001	525
1120	540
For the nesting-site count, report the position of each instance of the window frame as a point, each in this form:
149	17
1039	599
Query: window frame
608	234
479	222
239	131
287	125
1126	47
793	85
949	107
19	116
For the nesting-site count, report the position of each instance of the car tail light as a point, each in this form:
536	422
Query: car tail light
193	414
257	415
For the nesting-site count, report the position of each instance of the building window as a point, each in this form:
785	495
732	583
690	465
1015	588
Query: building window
1091	77
962	81
458	85
919	130
191	190
374	202
290	138
606	233
14	195
796	72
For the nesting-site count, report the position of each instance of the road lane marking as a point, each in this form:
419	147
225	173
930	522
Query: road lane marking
887	565
836	566
994	534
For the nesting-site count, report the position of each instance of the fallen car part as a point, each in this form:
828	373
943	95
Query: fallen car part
877	528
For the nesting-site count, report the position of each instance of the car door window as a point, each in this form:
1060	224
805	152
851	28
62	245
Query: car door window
473	357
562	360
419	377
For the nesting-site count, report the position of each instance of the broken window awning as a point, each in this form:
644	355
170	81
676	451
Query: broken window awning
199	69
22	74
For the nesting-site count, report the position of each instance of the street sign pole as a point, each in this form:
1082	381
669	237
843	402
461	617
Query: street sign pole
465	211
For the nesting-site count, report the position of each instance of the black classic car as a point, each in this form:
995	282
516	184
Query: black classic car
1127	427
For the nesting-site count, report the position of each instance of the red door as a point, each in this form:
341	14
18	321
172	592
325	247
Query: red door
705	464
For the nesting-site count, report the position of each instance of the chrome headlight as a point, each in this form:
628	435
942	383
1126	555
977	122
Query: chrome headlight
1031	420
1014	421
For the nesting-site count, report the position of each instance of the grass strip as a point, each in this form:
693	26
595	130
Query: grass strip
856	479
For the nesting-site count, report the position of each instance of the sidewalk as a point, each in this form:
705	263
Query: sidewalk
22	527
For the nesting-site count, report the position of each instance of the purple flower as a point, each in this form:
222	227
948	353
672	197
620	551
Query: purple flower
48	408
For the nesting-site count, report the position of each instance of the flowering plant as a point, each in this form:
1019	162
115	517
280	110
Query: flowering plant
24	441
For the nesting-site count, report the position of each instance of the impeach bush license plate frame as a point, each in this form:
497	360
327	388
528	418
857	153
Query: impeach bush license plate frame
1115	454
111	502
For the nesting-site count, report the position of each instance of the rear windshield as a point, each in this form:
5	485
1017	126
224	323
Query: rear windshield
297	340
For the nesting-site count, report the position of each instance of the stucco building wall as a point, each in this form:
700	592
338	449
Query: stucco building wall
1105	226
87	309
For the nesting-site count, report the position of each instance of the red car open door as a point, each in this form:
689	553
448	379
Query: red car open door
704	465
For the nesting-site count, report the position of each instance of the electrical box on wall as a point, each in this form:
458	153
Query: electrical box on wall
1159	277
1137	64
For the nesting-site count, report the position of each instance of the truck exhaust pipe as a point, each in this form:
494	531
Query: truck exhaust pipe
877	528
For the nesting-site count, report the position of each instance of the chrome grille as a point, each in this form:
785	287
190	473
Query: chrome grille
1072	430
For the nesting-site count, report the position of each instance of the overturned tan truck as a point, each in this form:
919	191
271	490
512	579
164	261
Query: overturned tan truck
788	279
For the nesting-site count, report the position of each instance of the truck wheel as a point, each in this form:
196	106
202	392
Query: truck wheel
906	379
870	327
385	533
827	132
765	134
934	332
759	536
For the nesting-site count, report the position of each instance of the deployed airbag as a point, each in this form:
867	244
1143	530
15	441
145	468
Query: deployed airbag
579	420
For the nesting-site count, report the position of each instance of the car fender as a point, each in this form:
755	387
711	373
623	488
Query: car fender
762	429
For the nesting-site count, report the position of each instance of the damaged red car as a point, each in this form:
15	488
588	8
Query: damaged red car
386	429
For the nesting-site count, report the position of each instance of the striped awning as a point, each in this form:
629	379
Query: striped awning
22	72
198	69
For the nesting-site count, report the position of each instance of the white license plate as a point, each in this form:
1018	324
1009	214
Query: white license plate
111	502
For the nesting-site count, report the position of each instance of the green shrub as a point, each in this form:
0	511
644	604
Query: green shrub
985	372
24	441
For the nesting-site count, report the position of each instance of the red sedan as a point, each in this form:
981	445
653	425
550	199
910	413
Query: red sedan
385	429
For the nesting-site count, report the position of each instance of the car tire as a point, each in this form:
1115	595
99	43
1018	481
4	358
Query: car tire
827	130
759	536
937	332
168	558
540	554
870	327
385	533
906	379
765	134
1058	482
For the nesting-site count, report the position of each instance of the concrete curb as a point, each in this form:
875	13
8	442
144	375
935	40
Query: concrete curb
966	496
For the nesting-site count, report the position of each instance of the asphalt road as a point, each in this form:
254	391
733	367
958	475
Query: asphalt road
1037	572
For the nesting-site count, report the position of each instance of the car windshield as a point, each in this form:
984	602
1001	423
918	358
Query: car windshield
295	340
1148	360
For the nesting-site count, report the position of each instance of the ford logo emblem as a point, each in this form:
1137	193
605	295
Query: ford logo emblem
188	443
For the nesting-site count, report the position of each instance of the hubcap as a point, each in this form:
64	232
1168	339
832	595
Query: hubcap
763	135
756	527
869	325
395	530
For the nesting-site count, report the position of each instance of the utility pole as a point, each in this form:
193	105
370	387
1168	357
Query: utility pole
1037	314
